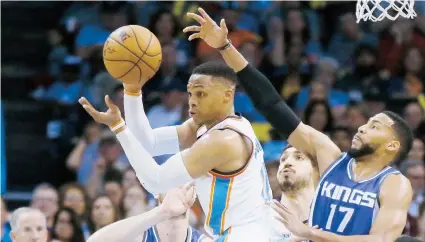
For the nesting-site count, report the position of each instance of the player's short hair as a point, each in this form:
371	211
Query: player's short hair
16	215
216	69
287	146
404	134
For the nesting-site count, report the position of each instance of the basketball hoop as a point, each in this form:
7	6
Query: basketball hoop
377	10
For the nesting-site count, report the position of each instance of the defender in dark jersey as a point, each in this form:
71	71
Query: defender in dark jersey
167	222
360	198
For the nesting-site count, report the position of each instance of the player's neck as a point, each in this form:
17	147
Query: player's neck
367	166
173	229
220	118
299	201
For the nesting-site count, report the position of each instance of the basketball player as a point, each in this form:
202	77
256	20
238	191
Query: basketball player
167	222
28	224
358	193
216	147
296	176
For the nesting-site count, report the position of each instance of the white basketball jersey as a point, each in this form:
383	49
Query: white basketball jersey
237	198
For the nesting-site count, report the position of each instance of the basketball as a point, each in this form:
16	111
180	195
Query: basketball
132	54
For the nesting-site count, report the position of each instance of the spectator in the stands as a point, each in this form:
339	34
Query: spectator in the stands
414	170
363	76
414	115
109	163
114	191
67	227
168	112
69	87
297	32
167	29
400	35
418	150
355	116
129	178
318	115
86	147
408	82
135	201
345	41
341	137
61	40
46	198
325	73
169	73
28	224
74	196
375	100
236	18
112	15
4	225
102	213
81	13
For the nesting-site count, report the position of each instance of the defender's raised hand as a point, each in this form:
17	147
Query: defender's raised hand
214	35
179	200
111	117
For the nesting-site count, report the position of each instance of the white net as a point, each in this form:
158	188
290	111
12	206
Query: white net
377	10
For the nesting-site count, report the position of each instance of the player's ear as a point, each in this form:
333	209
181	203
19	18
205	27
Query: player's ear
393	145
228	95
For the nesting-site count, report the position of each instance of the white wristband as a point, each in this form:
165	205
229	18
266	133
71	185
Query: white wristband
117	126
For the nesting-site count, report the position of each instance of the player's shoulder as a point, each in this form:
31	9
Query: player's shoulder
396	186
220	137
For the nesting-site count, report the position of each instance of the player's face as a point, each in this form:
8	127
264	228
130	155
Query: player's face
295	170
31	228
375	136
207	98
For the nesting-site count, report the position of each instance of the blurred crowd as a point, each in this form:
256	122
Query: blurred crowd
333	72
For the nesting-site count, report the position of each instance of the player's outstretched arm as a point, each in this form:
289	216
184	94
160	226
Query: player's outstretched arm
207	153
159	141
395	197
210	151
265	98
176	202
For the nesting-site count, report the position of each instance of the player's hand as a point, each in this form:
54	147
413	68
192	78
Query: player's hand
111	117
214	35
179	200
291	221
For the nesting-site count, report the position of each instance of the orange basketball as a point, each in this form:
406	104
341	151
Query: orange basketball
132	54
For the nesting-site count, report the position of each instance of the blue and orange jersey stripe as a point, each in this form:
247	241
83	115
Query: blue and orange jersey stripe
221	189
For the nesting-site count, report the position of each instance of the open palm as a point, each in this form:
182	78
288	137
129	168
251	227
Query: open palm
214	35
111	117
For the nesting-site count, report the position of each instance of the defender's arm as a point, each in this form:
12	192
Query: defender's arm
129	229
265	98
214	149
395	197
160	141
